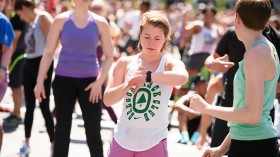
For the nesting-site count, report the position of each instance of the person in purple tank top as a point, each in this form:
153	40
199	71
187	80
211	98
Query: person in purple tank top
78	74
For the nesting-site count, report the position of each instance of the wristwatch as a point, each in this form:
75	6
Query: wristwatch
149	76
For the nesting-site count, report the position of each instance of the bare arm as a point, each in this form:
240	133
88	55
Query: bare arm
6	56
52	42
219	151
251	113
15	42
174	75
180	104
217	63
46	21
114	92
107	47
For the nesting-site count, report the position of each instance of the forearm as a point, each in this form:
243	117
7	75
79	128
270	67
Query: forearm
44	67
6	56
205	122
170	78
104	70
237	115
224	147
114	95
208	62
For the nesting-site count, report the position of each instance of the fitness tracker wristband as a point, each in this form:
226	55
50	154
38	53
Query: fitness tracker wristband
149	76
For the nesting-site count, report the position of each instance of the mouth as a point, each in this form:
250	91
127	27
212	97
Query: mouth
151	49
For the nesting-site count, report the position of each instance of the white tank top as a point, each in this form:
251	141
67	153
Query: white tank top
204	41
144	119
35	38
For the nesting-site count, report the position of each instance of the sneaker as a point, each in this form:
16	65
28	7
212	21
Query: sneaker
24	150
12	117
11	123
184	138
195	137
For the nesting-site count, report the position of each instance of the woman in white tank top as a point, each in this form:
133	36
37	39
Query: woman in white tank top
144	82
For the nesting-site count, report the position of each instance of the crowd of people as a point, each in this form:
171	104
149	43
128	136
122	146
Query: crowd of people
217	68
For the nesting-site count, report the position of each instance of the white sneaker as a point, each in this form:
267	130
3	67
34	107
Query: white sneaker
24	150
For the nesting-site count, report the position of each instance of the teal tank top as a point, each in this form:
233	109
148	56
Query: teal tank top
265	128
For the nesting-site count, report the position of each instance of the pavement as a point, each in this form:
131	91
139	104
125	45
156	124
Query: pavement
41	147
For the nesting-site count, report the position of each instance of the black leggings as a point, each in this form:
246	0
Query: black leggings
256	148
66	91
30	73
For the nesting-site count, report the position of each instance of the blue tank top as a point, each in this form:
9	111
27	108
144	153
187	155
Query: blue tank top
78	56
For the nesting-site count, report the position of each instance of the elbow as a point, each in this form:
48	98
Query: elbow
254	120
183	79
106	101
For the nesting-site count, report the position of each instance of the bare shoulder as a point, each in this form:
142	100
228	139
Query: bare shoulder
45	15
258	53
62	16
60	19
100	21
125	61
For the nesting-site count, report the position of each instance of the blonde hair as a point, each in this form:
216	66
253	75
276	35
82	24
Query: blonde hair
156	19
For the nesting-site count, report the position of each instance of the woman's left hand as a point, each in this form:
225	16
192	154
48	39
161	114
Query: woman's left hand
136	81
95	91
197	103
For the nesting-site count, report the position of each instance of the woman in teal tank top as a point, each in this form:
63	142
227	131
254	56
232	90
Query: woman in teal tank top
251	129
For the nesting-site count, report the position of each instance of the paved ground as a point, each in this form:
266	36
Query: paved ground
40	147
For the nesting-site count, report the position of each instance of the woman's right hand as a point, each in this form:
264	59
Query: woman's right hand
39	92
212	152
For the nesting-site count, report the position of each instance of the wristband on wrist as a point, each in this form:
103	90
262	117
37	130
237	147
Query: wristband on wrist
149	76
3	67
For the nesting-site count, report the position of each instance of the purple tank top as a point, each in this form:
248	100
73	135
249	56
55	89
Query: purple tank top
78	57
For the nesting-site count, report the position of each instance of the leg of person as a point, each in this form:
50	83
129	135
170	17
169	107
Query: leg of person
16	81
183	127
92	118
65	95
116	150
29	81
1	138
45	106
193	127
3	88
159	150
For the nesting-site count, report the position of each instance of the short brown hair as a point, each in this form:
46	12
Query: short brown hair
19	4
157	19
254	13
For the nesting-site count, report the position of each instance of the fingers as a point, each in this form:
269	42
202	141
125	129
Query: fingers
40	95
95	96
228	64
136	89
206	154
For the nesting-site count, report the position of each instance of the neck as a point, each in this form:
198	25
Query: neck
150	58
33	15
81	12
149	62
250	37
